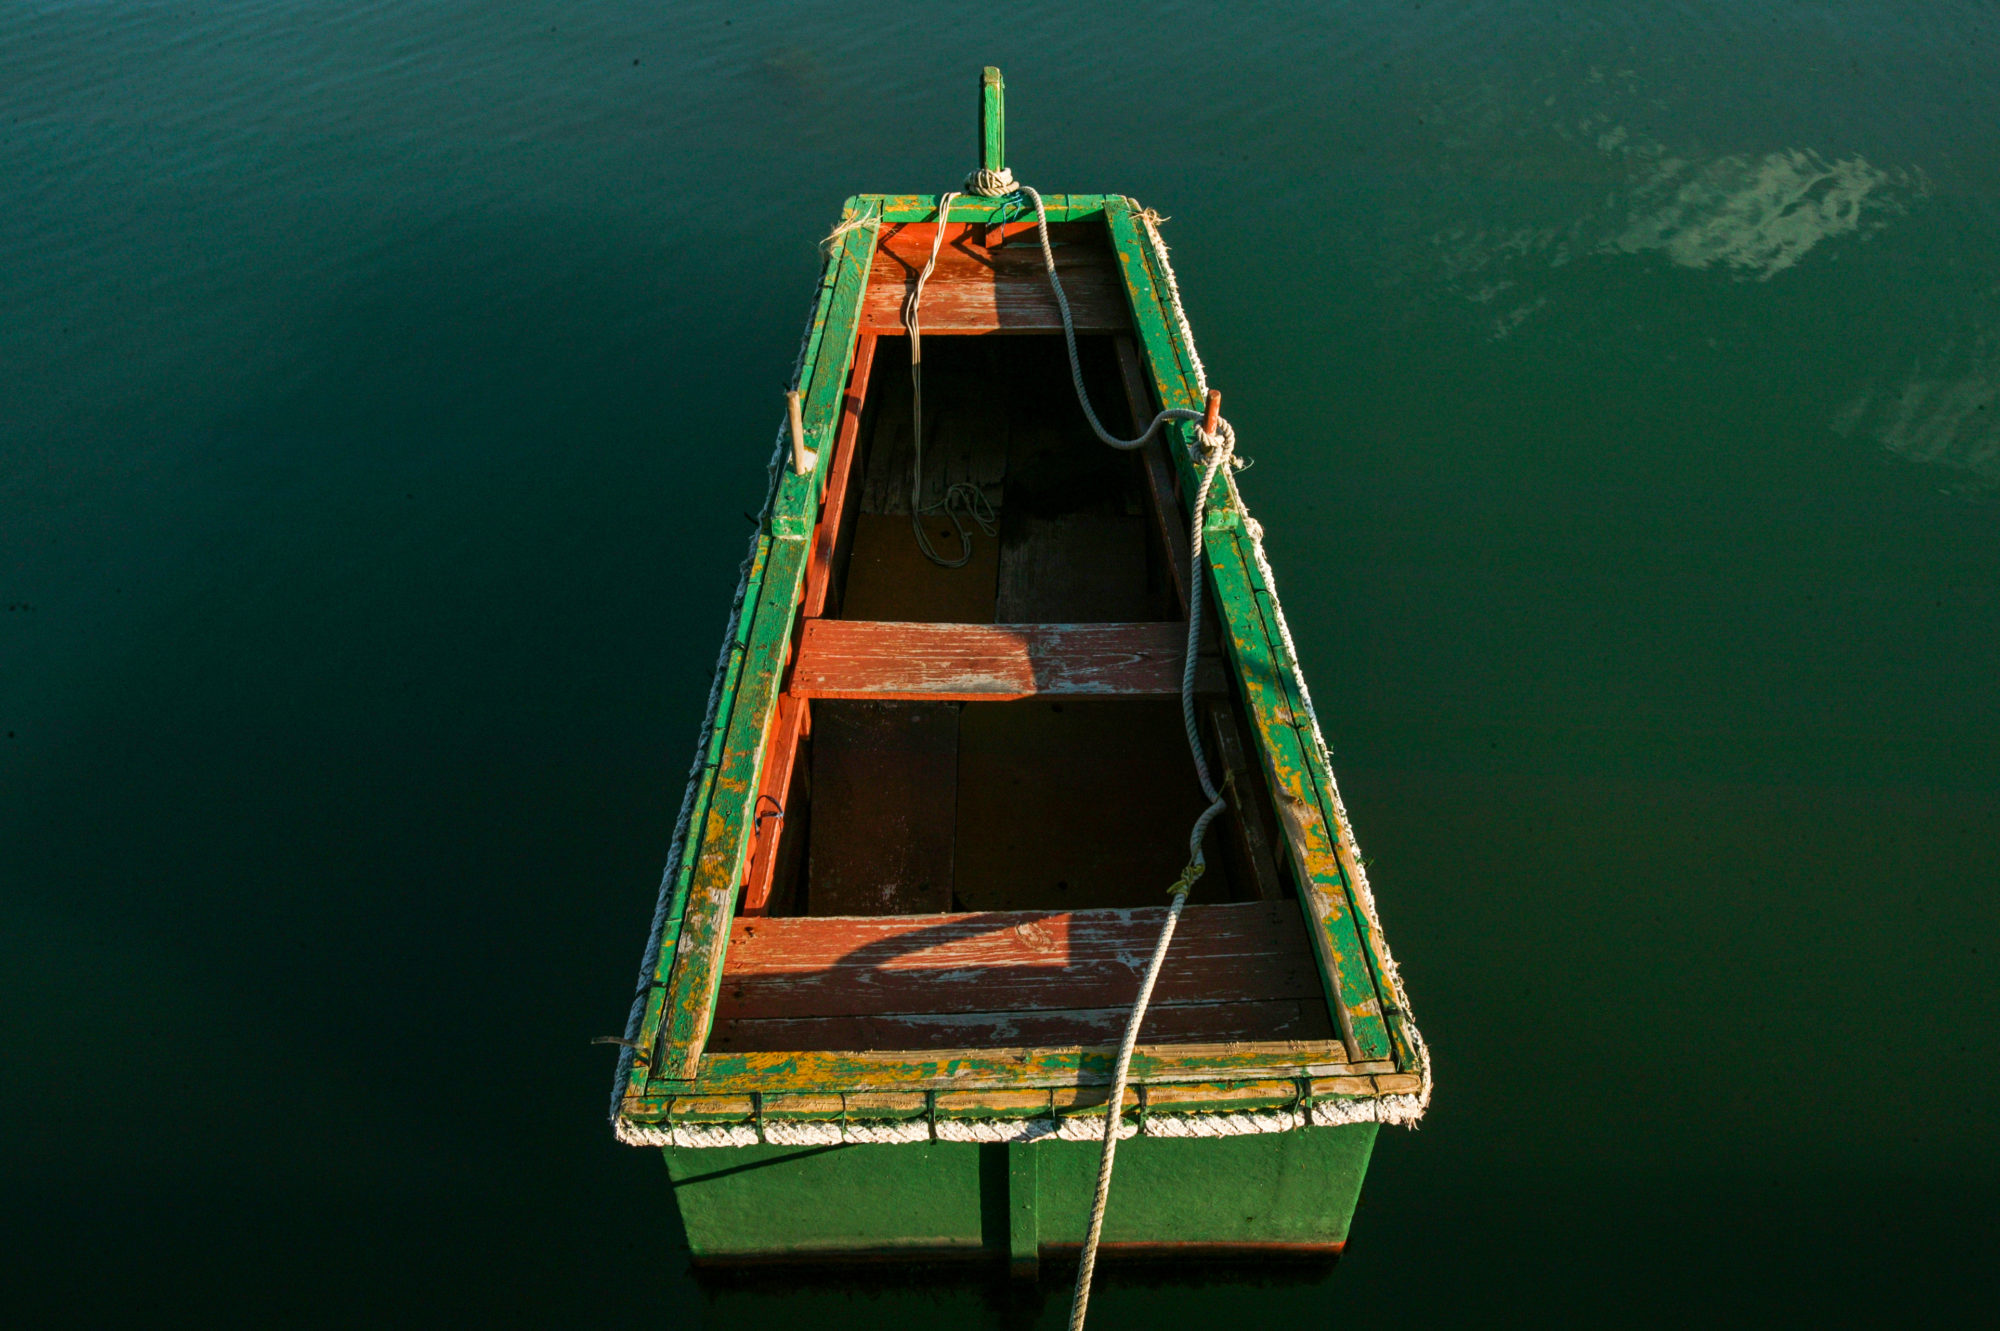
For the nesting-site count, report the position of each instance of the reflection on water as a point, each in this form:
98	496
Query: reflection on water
1567	177
1751	215
1758	215
1946	411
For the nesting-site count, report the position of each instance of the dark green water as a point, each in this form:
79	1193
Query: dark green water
380	392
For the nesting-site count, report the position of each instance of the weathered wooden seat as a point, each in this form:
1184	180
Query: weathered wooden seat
990	979
992	280
994	662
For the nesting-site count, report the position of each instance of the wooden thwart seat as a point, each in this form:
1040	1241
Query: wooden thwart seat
1240	971
982	286
994	662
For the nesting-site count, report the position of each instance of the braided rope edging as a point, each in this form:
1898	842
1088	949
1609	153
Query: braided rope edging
1387	1110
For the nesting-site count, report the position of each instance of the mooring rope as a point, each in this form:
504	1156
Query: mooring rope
1219	448
1218	452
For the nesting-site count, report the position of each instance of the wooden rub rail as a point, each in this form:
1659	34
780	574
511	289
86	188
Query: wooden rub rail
1213	1097
994	662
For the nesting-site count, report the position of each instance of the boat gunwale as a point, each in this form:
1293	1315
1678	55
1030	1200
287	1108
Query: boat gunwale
684	979
822	1073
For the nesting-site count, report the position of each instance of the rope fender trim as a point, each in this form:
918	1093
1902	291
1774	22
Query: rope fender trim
1388	1110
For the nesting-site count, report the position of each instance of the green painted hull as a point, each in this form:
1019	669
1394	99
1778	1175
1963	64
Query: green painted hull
709	1102
1279	1194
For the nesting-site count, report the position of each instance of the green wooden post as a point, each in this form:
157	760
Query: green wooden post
1024	1237
992	121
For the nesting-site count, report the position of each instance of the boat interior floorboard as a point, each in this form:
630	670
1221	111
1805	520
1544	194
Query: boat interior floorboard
977	788
1065	536
888	577
1067	804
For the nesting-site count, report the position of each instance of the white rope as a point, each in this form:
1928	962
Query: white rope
700	1135
1152	221
1389	1110
1242	1124
991	184
995	1129
1090	1128
881	1133
1386	1109
1219	446
629	1133
781	1133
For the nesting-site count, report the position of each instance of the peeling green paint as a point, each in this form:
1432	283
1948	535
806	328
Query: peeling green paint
688	970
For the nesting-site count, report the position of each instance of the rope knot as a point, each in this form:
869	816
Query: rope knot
991	184
871	221
1219	446
1185	883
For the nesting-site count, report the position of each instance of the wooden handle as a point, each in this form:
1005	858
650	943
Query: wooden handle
803	460
1214	411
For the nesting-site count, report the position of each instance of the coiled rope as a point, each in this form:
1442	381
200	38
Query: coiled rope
1218	450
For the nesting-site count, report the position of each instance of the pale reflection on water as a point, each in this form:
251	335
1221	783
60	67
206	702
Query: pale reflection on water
1759	215
1945	412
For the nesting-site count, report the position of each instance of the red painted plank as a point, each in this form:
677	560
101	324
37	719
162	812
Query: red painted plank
848	658
841	478
772	793
975	289
1012	961
1165	504
1252	844
1166	1023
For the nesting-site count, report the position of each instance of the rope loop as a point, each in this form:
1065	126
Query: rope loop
961	501
1185	883
991	184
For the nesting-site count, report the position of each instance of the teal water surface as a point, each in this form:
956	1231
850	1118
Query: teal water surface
381	390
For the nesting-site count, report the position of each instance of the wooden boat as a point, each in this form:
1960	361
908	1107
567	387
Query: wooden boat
935	811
